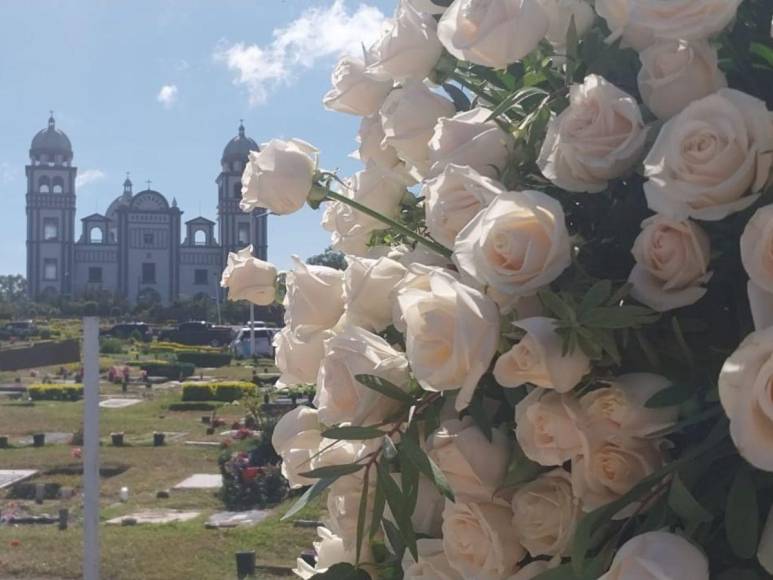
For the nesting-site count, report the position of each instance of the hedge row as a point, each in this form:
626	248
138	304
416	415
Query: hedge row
205	359
55	392
226	391
171	370
174	347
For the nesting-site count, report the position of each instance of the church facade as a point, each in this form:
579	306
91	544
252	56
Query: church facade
140	248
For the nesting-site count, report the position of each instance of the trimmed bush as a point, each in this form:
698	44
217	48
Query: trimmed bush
170	370
205	359
55	392
174	347
110	346
226	391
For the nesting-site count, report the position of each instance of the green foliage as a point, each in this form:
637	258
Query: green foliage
55	392
111	346
330	258
205	359
226	391
170	370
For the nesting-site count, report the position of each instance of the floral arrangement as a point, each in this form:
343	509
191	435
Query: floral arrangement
551	354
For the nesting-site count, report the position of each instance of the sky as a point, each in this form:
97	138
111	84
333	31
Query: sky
157	88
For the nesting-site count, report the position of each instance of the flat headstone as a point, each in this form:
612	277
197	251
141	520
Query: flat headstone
153	517
54	438
9	477
201	481
203	443
235	519
118	403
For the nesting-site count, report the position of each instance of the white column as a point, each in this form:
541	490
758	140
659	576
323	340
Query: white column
91	448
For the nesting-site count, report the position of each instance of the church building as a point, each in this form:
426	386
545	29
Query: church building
139	248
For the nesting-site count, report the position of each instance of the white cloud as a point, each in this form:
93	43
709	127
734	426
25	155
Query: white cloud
89	176
167	96
8	173
316	34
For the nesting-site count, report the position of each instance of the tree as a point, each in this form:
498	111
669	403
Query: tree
330	258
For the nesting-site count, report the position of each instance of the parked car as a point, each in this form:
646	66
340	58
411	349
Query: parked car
126	330
264	338
21	328
198	333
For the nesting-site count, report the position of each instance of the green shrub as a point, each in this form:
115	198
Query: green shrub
175	347
110	346
170	370
55	392
205	359
226	391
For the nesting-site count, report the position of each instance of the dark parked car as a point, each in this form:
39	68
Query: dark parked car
198	333
128	329
21	328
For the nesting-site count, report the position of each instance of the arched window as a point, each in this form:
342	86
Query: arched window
95	235
57	185
236	167
237	190
44	185
199	238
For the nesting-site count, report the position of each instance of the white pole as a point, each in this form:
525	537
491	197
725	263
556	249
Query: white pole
252	329
91	448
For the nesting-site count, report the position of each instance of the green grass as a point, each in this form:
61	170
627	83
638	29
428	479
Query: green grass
166	552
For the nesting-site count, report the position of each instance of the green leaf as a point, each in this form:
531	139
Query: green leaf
596	296
742	515
333	471
310	494
763	51
556	306
342	571
679	335
739	574
379	501
362	514
397	505
683	503
384	387
461	102
669	397
521	468
352	433
562	572
412	453
395	540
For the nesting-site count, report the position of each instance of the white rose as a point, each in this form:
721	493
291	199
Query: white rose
340	396
248	278
744	391
545	514
538	358
375	188
355	90
598	137
474	466
642	22
315	296
619	412
370	285
296	438
428	6
480	540
298	354
756	241
409	48
432	565
279	176
408	117
658	556
330	550
546	429
372	148
709	158
453	198
560	13
517	244
758	263
416	278
672	260
451	334
469	138
607	471
493	34
675	73
343	503
531	570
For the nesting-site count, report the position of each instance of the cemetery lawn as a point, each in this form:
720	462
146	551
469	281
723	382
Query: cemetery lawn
148	552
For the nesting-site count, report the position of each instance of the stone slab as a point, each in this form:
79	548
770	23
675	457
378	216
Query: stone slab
203	443
8	477
118	403
153	517
55	438
236	519
201	481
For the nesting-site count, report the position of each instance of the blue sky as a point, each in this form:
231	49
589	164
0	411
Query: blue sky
157	88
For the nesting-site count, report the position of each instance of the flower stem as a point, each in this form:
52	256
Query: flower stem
431	244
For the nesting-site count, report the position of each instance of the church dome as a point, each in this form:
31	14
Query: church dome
238	148
51	141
